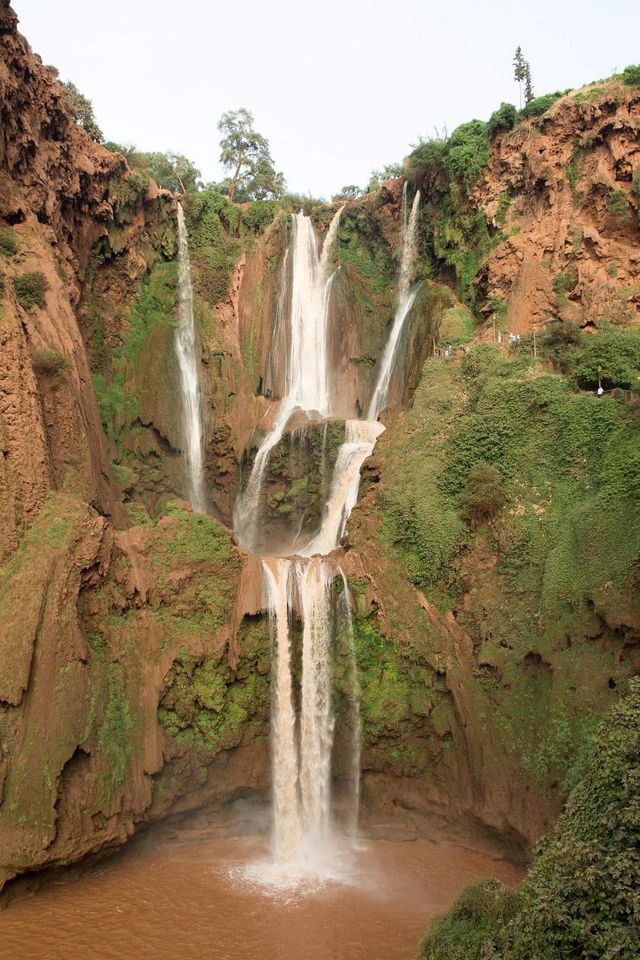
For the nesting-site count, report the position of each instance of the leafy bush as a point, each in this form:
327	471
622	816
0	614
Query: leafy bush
504	118
259	214
631	75
30	289
618	205
557	338
466	151
563	283
51	361
483	494
8	242
82	111
476	919
635	184
612	356
540	105
426	160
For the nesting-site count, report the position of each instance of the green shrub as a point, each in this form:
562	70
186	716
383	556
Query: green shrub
483	494
475	921
558	338
51	361
118	409
30	289
635	184
504	118
631	75
563	283
540	105
504	203
467	151
8	242
259	214
618	205
611	357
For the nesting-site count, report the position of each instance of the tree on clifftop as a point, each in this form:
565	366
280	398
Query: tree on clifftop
519	70
245	154
82	110
528	84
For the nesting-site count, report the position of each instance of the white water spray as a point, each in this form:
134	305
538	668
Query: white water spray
404	302
187	353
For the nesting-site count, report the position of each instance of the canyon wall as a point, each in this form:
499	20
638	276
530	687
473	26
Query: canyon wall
134	677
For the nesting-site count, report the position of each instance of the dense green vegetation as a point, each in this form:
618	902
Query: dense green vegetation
511	497
551	450
581	900
210	705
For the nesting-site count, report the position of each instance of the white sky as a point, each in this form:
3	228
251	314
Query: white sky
339	87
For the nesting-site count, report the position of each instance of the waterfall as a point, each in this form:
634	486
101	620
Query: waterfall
404	302
187	353
354	724
316	717
306	373
360	438
302	725
286	818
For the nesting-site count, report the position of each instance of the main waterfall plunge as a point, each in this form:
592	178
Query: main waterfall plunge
304	584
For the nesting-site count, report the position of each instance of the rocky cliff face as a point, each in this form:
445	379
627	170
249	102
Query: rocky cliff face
92	619
135	653
560	187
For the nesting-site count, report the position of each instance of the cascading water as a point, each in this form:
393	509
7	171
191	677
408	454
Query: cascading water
306	374
302	741
186	350
404	302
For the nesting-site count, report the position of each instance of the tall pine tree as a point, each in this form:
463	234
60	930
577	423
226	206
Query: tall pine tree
528	85
519	70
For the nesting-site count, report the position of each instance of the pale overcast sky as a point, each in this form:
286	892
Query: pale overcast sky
339	87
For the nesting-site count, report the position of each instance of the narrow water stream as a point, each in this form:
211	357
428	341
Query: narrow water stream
182	894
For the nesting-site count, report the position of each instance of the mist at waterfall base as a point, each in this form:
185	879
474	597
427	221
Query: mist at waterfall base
310	844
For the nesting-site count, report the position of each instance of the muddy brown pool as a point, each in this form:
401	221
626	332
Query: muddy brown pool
187	894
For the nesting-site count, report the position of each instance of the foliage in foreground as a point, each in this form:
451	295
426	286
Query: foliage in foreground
581	900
